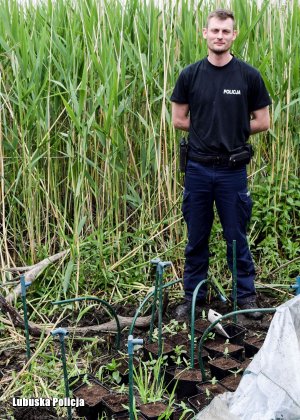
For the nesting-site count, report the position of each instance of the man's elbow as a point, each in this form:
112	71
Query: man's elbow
266	124
177	123
181	123
260	125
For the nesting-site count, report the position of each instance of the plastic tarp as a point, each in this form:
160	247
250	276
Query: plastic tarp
270	387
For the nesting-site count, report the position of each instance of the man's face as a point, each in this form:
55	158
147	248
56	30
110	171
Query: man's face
219	35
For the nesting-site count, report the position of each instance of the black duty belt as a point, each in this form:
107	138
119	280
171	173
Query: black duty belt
211	160
234	160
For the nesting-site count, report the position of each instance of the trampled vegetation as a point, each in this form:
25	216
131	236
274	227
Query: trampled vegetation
89	157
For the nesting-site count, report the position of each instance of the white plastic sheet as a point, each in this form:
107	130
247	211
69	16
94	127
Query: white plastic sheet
270	387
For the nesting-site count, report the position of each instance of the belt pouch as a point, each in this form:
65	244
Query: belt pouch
183	151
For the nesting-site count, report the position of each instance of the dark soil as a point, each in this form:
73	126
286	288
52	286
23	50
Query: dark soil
34	413
115	402
123	365
201	325
180	339
12	360
231	382
221	366
217	388
198	402
233	350
91	393
153	348
152	410
253	344
256	340
188	375
245	363
225	363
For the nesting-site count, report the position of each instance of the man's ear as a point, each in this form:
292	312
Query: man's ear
204	33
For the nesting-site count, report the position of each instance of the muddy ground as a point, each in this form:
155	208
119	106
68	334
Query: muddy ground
12	358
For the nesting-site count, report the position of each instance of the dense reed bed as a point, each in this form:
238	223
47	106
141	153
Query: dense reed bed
88	155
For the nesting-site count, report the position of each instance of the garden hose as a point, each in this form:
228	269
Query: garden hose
208	329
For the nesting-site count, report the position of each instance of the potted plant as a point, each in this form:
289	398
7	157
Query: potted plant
92	392
184	380
77	380
148	379
221	366
183	412
236	333
202	323
115	404
213	385
151	351
253	344
231	382
117	368
199	401
217	349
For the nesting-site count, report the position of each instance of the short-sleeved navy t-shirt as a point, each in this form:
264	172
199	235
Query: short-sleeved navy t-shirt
220	100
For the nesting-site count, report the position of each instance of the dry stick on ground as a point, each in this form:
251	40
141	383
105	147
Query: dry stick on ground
36	330
32	272
17	320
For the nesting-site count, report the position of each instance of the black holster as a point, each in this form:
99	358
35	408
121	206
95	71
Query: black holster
183	152
242	157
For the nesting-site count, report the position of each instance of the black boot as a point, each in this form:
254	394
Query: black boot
183	310
250	303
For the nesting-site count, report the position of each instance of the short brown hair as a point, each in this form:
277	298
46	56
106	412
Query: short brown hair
221	14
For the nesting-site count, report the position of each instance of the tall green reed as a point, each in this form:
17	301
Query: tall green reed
87	145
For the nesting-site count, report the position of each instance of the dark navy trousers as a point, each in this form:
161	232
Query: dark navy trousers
227	188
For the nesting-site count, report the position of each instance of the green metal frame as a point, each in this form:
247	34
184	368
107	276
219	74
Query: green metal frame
193	313
138	311
131	343
61	332
157	292
207	331
24	286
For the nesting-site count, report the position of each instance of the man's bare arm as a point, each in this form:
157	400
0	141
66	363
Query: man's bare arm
180	116
260	120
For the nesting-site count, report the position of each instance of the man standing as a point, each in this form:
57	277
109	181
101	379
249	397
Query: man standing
220	101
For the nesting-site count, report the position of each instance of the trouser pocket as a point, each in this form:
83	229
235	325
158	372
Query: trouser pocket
185	204
245	207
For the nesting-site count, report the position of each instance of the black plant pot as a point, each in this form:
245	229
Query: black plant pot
234	350
252	345
231	382
76	381
113	405
92	394
235	332
221	367
199	401
179	339
185	380
201	325
152	411
151	351
178	414
123	368
215	389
